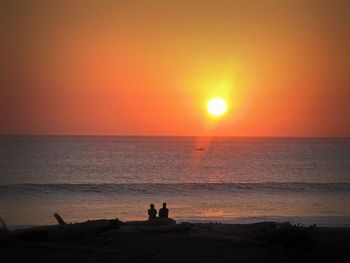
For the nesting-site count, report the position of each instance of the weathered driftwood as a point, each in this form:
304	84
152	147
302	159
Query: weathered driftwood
3	225
81	230
153	222
89	229
59	219
66	231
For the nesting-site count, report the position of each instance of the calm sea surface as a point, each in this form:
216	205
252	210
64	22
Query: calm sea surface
232	180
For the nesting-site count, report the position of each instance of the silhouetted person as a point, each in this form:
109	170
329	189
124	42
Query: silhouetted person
152	212
164	212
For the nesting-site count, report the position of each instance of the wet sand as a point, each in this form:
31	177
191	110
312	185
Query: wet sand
206	242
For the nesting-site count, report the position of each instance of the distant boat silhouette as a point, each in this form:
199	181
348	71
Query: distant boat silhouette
200	149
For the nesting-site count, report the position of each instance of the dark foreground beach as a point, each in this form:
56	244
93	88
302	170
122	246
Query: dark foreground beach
165	241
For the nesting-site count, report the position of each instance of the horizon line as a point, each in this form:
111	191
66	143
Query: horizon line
181	136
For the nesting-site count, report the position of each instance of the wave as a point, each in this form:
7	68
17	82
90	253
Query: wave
177	188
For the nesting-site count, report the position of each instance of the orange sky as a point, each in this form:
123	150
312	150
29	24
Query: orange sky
150	67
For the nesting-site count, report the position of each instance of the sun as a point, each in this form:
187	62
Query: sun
217	106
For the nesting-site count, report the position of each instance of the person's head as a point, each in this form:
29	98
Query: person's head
151	206
164	205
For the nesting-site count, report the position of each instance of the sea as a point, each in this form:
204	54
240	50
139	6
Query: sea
202	179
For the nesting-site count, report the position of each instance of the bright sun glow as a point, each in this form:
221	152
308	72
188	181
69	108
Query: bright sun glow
217	106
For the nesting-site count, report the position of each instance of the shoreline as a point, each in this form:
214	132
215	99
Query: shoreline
340	221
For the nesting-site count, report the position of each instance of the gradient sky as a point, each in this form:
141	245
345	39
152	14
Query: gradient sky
150	67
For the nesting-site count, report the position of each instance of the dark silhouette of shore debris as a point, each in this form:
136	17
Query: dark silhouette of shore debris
3	225
264	241
59	219
164	212
152	212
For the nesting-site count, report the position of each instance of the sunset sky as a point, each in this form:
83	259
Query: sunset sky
150	67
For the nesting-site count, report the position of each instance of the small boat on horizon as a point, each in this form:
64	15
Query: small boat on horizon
200	149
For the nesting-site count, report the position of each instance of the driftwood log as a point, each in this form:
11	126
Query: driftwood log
59	219
91	228
64	231
153	222
3	225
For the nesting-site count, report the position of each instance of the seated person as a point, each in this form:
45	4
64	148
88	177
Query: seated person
164	212
152	212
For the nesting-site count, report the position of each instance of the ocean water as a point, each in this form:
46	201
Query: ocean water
233	180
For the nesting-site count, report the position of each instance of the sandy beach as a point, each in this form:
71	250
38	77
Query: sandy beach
116	241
